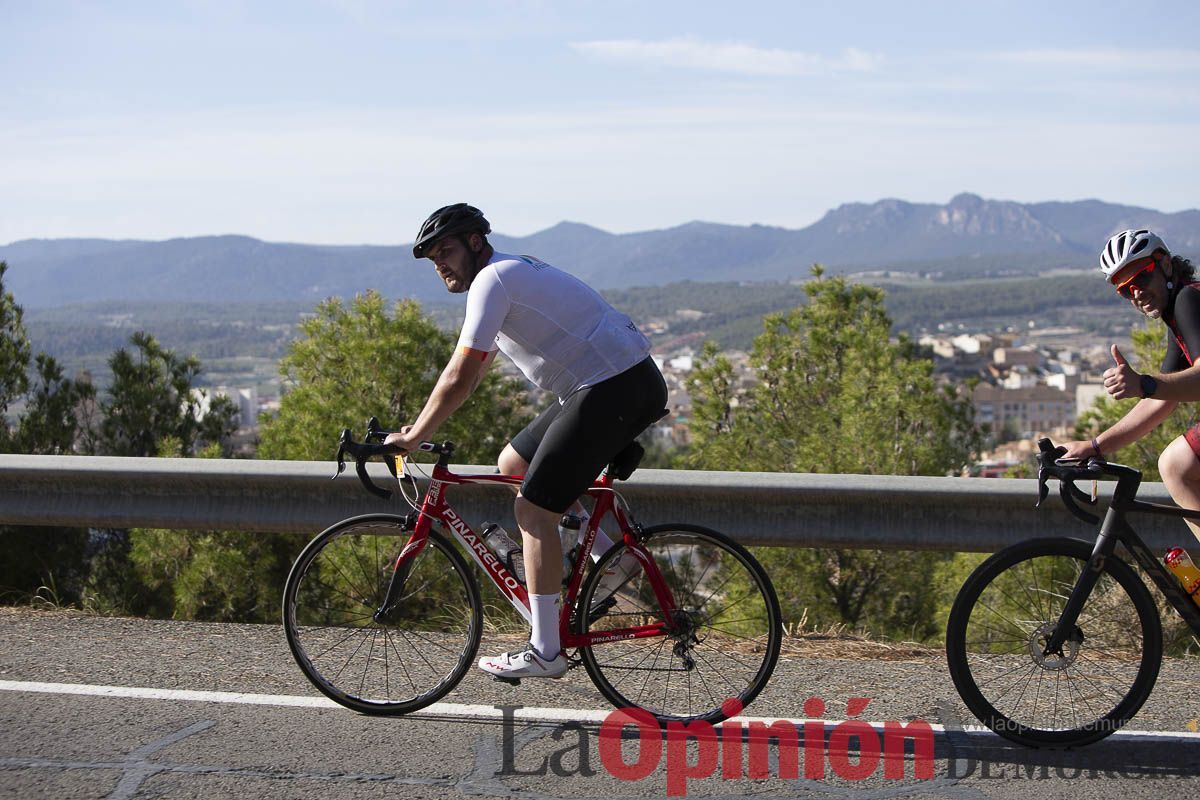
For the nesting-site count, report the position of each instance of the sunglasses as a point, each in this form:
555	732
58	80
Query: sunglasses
1141	280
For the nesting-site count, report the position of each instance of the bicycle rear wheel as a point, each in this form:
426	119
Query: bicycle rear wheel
725	642
412	656
1000	622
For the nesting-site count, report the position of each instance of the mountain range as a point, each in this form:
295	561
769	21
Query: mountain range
968	237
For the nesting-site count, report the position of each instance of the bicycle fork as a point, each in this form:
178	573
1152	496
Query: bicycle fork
400	572
1066	629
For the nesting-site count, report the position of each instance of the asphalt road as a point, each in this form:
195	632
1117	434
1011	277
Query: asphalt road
287	742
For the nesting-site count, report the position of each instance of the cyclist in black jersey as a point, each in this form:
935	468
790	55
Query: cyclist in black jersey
1160	286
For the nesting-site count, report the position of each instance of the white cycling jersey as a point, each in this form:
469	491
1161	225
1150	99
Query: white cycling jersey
558	330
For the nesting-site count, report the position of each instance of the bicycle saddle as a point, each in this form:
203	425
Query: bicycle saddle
625	462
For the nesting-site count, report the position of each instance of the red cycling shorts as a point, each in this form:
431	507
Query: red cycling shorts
1193	438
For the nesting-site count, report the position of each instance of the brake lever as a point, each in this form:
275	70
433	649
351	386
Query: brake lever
1048	455
341	453
1043	489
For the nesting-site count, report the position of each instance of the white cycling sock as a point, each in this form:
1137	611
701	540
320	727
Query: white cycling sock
545	639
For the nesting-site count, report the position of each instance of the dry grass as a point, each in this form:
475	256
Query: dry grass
837	643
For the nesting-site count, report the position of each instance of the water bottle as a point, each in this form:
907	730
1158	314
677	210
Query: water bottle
568	535
1180	563
508	551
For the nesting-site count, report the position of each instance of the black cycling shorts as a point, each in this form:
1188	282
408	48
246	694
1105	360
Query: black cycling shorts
568	444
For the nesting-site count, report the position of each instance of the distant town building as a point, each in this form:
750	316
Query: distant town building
247	403
682	363
1086	395
973	343
246	400
940	345
1017	356
1023	411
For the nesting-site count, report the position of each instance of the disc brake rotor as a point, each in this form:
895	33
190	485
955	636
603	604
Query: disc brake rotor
1057	661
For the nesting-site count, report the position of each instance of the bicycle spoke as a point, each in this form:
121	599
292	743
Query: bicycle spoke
350	617
367	663
714	592
1073	686
400	659
751	594
352	632
666	691
1027	671
721	673
335	590
348	581
1022	666
1000	616
352	655
718	626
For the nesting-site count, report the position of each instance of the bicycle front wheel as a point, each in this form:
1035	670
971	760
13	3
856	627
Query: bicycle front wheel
999	625
391	664
726	636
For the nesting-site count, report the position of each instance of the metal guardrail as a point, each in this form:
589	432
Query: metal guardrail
756	508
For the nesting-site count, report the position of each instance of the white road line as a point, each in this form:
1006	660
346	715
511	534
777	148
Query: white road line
452	710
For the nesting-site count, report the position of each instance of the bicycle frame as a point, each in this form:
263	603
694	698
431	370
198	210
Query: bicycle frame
1114	530
435	507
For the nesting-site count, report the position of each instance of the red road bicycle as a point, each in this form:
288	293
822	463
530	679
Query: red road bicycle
383	614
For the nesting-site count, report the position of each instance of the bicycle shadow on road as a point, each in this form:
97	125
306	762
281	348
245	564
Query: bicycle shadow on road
1120	755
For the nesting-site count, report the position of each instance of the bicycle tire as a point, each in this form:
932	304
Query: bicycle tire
1001	617
729	605
411	659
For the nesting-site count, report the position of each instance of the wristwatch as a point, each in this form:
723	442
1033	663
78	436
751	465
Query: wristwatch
1149	386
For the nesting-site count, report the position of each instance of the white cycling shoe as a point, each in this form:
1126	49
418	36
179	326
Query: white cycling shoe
616	575
524	663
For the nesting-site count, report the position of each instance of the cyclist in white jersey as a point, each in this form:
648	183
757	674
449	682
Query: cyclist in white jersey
567	340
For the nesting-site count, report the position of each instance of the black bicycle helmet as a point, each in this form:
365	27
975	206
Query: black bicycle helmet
448	221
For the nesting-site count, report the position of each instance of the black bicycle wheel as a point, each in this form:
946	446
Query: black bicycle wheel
412	656
1003	616
726	638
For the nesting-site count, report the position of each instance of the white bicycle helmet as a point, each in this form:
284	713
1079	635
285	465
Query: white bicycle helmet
1126	247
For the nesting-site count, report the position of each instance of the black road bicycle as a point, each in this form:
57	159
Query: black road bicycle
1057	642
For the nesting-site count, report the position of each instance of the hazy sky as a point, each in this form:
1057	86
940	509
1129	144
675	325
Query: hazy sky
347	121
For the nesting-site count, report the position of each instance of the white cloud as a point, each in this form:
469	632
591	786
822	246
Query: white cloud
732	57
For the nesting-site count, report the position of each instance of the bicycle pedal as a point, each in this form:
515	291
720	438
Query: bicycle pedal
509	681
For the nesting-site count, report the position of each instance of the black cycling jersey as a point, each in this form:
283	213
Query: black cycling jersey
1183	320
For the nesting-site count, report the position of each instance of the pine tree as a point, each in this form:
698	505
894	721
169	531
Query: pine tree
833	394
350	364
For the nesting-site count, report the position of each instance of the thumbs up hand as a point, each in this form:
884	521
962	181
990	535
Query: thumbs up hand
1120	381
